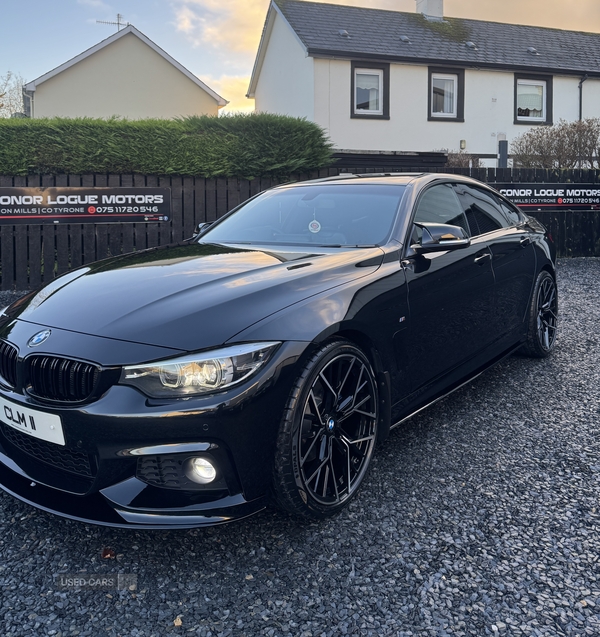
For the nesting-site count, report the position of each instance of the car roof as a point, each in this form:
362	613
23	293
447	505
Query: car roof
390	179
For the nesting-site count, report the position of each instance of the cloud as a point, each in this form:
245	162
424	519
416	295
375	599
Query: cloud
233	26
232	88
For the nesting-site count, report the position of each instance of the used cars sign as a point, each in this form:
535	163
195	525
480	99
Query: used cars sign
84	205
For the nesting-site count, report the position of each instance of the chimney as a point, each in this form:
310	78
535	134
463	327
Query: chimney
431	9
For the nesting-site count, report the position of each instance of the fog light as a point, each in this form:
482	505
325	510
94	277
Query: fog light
200	470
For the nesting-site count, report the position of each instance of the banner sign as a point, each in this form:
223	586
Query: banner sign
84	205
552	196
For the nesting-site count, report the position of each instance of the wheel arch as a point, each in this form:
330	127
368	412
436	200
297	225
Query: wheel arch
551	271
369	348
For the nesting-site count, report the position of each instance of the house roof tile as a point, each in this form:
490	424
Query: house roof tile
376	33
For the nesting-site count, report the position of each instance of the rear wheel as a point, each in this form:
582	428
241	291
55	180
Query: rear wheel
328	432
543	317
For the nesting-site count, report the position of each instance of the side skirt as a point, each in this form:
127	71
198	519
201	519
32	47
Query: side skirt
465	381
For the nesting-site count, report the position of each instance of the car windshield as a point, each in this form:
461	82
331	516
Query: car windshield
327	215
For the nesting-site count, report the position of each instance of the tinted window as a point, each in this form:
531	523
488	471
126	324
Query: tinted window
439	204
510	212
326	215
482	210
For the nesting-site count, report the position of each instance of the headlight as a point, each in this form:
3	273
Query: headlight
198	374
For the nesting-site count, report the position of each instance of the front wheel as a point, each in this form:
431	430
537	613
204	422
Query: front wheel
328	432
543	317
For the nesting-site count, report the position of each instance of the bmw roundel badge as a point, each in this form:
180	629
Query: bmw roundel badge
39	338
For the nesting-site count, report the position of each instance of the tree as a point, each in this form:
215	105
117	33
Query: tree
565	145
11	94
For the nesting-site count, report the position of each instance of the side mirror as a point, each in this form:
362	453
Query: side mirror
201	227
440	237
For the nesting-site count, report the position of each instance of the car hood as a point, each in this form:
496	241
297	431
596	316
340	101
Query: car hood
189	296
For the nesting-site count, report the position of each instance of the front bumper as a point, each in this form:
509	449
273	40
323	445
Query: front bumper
124	429
105	508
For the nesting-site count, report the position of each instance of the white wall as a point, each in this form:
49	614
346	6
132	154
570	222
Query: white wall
566	99
591	98
286	81
489	110
126	78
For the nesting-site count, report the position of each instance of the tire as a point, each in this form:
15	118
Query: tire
327	434
542	318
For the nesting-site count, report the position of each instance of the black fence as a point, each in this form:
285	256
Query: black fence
31	255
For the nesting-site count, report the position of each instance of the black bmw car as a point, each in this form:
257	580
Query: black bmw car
262	360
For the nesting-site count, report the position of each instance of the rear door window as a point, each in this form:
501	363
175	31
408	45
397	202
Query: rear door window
482	210
511	212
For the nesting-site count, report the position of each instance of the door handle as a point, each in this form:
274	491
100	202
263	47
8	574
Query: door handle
480	260
525	241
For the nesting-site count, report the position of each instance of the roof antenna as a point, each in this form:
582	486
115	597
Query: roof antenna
119	23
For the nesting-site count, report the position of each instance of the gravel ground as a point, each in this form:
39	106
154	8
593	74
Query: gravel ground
480	517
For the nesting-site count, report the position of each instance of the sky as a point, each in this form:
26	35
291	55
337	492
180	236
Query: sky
216	39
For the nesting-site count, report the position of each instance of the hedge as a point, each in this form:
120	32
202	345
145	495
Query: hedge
246	146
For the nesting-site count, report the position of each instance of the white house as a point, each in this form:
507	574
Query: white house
126	75
380	80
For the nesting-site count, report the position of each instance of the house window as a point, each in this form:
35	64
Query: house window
533	100
367	85
443	95
370	90
446	95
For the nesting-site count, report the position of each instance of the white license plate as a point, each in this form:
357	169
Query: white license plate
32	422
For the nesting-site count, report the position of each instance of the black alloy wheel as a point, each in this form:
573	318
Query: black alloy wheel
328	432
543	317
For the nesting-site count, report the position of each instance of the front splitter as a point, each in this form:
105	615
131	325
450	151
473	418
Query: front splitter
97	509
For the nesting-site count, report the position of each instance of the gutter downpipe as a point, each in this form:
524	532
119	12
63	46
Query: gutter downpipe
28	102
583	79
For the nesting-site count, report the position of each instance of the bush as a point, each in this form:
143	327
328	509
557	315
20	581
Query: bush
462	159
565	145
246	146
